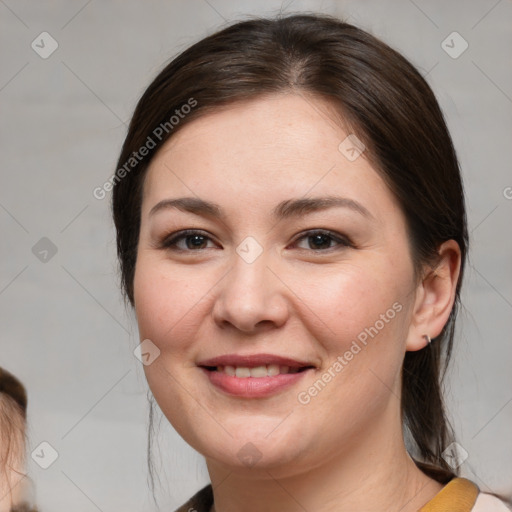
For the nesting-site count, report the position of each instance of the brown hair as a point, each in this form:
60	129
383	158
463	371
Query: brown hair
387	104
13	416
13	402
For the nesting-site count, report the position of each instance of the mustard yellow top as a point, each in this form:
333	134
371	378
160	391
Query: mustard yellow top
458	495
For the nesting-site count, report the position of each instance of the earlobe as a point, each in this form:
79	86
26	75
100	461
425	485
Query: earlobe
435	297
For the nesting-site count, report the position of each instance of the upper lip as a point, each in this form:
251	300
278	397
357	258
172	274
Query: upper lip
253	360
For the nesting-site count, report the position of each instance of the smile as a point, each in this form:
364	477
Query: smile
253	376
243	372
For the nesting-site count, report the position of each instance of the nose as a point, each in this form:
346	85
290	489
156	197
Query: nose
251	297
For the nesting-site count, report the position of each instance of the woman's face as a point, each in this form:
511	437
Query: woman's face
296	250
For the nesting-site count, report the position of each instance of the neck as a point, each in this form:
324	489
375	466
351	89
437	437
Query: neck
374	476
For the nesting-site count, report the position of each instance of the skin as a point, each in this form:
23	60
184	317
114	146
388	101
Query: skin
344	449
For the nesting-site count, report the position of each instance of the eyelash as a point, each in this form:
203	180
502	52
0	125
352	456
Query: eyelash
171	241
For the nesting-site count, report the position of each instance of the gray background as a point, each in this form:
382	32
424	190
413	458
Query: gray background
65	331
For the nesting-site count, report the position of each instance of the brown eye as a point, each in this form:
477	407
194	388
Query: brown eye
322	240
195	241
188	240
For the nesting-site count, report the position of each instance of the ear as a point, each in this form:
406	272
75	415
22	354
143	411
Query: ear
435	295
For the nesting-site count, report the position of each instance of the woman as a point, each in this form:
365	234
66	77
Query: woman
292	235
16	487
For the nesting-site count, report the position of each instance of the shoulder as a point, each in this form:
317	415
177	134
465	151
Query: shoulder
201	501
489	503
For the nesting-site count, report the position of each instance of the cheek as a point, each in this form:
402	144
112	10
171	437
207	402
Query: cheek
167	305
359	318
352	303
167	302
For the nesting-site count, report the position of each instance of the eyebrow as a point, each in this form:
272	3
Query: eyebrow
285	209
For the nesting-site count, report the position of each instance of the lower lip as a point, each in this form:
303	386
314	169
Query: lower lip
253	387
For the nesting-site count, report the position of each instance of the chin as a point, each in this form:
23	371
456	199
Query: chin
254	446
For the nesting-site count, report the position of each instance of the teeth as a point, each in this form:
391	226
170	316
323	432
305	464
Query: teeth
259	371
273	369
230	370
244	372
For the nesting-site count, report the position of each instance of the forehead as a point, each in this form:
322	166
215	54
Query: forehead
261	151
290	125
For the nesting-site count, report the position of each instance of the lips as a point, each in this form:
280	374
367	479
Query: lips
253	376
252	361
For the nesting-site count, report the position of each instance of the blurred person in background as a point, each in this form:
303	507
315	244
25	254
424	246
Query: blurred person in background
15	485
